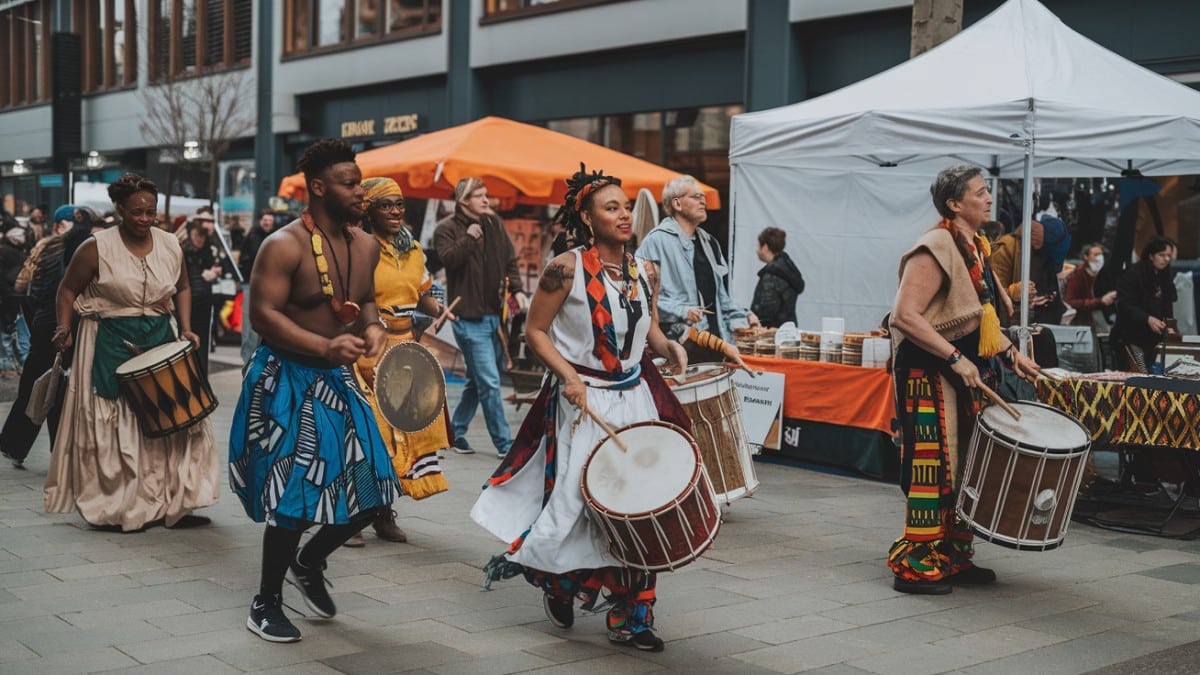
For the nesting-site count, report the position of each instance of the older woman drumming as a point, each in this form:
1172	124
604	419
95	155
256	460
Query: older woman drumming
945	332
124	283
589	322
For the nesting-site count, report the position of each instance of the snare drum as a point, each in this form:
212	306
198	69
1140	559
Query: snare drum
165	388
711	401
654	502
1020	481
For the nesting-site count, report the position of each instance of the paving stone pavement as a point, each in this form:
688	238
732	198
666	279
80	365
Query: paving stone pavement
795	583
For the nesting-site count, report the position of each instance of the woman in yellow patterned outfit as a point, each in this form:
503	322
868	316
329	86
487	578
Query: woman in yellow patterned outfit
402	285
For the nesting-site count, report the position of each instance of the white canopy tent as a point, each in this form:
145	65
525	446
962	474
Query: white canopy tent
847	175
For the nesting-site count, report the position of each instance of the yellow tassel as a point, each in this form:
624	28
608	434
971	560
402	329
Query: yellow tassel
989	332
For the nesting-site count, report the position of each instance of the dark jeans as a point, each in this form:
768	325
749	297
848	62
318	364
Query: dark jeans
19	433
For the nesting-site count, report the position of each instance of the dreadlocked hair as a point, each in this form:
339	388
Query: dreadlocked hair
581	188
322	155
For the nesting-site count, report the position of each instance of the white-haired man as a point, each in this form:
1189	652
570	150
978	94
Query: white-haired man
692	270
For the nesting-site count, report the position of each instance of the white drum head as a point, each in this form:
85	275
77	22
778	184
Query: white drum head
659	467
704	375
1040	426
163	353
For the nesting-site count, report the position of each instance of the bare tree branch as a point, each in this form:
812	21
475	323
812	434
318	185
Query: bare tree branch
211	111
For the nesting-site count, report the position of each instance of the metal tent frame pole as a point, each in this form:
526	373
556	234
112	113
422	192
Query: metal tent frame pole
1026	247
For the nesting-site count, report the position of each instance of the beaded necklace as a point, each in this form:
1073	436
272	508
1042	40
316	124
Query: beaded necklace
345	311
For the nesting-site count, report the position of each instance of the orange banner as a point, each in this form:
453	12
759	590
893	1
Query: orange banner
851	396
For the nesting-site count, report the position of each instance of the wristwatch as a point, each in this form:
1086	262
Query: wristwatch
954	357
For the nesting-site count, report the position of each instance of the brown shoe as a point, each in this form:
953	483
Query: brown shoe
356	541
386	529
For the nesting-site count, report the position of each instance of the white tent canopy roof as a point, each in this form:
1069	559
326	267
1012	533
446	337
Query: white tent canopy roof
847	175
1017	74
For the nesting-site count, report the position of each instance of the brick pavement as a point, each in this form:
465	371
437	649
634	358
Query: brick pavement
795	583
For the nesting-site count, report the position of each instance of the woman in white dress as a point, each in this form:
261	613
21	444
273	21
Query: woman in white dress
589	322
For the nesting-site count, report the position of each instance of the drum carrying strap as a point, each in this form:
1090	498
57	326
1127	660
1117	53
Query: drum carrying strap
144	332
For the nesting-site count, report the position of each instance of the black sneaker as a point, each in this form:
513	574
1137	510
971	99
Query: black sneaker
973	576
560	612
268	621
311	581
646	640
16	463
462	447
922	587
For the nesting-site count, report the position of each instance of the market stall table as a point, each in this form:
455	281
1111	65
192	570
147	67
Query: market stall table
836	415
1134	414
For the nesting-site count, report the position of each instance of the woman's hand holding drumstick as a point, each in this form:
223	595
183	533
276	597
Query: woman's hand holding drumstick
999	401
437	323
612	434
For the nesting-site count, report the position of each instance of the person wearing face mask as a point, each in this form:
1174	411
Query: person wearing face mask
1089	309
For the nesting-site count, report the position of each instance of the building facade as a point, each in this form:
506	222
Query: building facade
659	79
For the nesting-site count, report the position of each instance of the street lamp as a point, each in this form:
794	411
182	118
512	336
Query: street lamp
94	160
191	150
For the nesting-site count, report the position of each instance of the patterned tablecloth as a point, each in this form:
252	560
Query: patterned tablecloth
1119	413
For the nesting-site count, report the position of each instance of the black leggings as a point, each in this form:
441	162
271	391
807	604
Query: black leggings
280	544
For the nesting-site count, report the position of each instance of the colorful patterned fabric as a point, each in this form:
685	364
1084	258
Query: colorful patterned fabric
400	281
1124	414
539	421
934	545
304	447
630	598
603	333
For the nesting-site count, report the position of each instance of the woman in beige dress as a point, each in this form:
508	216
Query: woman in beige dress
124	285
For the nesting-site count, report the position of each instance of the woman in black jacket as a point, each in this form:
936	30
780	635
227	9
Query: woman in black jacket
203	261
779	281
1145	293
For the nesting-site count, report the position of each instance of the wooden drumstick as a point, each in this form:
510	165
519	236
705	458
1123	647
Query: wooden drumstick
999	401
437	324
612	435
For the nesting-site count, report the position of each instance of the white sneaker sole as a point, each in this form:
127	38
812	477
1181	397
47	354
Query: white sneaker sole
253	628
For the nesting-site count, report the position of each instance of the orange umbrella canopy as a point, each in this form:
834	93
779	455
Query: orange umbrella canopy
519	163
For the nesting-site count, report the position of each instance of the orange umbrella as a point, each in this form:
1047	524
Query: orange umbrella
520	163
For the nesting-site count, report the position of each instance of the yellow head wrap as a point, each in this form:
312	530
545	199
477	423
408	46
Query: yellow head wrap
380	187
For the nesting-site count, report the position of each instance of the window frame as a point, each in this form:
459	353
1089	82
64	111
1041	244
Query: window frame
349	26
83	16
492	15
22	83
174	70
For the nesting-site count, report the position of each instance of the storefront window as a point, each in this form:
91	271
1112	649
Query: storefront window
587	128
693	141
323	24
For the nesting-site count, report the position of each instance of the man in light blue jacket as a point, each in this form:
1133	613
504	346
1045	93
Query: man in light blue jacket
692	270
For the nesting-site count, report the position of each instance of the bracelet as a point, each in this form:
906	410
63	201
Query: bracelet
62	329
954	357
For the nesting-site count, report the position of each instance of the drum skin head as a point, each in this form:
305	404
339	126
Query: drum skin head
1040	426
164	353
660	466
409	387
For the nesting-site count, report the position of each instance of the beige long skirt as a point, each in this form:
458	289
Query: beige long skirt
103	467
